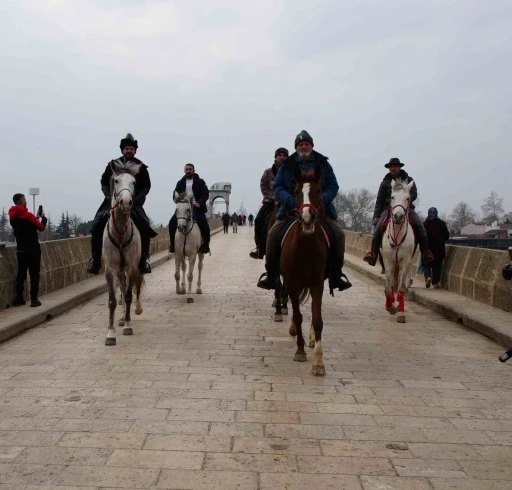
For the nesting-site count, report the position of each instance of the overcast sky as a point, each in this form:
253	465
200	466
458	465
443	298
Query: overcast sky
223	83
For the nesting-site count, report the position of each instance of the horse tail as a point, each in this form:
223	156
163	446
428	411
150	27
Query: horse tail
304	296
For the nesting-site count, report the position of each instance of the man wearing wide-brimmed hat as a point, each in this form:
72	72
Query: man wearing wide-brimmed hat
382	210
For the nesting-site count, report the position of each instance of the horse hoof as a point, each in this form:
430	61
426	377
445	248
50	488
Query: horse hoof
284	311
128	331
318	370
311	343
278	317
292	331
400	319
110	341
392	310
138	311
121	323
274	303
300	357
190	300
199	291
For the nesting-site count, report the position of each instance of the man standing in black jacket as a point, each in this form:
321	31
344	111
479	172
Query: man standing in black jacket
25	227
192	184
382	209
142	186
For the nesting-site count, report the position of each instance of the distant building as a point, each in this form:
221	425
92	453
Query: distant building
478	229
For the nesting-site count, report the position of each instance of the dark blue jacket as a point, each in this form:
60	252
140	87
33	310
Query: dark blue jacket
284	183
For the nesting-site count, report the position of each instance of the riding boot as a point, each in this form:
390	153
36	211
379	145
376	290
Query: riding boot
338	279
144	265
173	226
372	256
421	235
268	280
94	265
204	227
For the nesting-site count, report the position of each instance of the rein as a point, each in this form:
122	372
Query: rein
393	234
120	245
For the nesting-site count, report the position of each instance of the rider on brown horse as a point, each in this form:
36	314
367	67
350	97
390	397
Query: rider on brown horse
306	159
267	208
382	209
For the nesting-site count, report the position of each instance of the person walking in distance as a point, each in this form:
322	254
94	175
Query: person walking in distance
225	222
25	227
437	234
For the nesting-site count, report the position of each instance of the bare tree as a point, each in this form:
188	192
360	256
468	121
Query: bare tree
507	218
49	231
356	208
462	215
241	209
492	208
74	223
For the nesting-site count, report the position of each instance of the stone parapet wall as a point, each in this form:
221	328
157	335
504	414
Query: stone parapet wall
469	271
63	262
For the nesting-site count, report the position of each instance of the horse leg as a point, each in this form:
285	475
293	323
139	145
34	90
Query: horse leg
311	335
128	297
318	368
183	286
177	264
402	289
199	271
284	300
138	288
121	277
190	277
278	315
389	291
112	304
296	326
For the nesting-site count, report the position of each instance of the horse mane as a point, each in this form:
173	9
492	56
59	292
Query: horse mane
130	167
183	198
309	176
400	185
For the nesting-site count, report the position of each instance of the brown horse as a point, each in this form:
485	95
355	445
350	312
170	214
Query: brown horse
280	302
303	263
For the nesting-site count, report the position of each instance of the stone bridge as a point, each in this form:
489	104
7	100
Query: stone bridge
206	396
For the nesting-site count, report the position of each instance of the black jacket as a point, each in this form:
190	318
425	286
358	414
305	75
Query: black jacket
25	227
142	182
199	189
384	195
437	234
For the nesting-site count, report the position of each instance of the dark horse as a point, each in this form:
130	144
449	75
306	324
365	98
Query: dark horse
280	302
303	263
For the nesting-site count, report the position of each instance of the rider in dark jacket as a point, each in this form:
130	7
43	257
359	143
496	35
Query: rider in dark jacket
191	183
382	210
142	186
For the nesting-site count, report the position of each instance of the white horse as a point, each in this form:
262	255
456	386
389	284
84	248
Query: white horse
398	247
187	244
122	248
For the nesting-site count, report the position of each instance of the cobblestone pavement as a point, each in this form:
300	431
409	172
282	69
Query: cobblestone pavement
206	396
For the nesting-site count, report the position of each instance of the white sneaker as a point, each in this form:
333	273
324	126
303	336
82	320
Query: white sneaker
428	282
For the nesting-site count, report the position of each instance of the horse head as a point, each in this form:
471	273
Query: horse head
123	186
184	214
400	200
308	197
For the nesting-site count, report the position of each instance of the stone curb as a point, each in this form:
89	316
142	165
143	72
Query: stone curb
489	321
96	286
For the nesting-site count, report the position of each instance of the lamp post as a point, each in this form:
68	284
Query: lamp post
34	191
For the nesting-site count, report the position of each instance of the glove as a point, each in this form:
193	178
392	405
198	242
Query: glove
106	191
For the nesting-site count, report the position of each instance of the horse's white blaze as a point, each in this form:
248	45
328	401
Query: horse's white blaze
306	213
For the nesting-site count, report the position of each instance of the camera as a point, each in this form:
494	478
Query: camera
40	210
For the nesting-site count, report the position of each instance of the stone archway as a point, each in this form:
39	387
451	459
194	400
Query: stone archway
220	190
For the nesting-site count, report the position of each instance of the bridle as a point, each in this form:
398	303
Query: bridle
187	220
119	245
394	234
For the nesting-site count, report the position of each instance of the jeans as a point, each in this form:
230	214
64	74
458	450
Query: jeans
31	262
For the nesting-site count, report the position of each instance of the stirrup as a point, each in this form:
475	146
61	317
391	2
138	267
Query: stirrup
145	267
265	282
205	248
171	248
255	254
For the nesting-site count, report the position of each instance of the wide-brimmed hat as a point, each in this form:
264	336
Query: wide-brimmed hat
394	161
